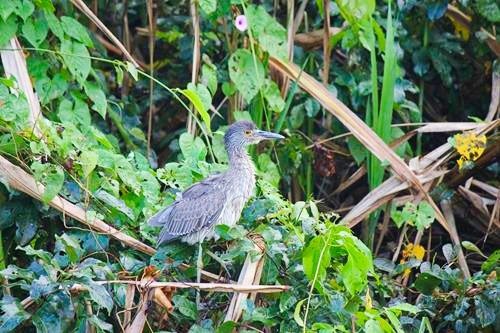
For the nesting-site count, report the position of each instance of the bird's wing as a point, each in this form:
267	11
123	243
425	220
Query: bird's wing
200	206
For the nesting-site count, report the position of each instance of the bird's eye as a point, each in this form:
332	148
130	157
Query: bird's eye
248	132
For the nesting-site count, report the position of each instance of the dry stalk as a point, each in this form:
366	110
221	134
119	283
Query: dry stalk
314	39
250	274
299	16
195	17
455	239
14	64
218	287
92	17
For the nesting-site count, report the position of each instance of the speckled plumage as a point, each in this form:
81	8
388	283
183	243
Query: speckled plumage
220	198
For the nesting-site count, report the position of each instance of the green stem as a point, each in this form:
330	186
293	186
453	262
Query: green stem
116	119
309	175
422	90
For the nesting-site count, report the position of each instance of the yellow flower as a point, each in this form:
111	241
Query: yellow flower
412	251
470	146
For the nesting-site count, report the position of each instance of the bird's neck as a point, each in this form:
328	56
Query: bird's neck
239	159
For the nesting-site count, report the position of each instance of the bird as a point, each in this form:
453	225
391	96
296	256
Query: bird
218	199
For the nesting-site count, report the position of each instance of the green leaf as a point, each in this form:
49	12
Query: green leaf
88	161
297	116
42	287
97	96
218	147
208	6
115	203
272	96
186	307
24	9
101	324
100	295
209	78
50	89
73	113
425	215
472	247
55	315
316	259
268	170
193	149
77	58
357	9
6	8
126	173
490	9
203	94
358	151
271	35
229	89
226	327
13	314
396	324
71	246
194	98
296	313
35	31
54	24
427	282
373	326
405	307
52	176
132	70
45	5
8	28
246	72
492	262
75	29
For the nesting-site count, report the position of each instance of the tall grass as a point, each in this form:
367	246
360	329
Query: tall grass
381	115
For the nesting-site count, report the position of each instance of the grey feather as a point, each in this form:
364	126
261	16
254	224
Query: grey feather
199	207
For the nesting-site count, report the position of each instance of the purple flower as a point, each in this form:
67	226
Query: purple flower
241	23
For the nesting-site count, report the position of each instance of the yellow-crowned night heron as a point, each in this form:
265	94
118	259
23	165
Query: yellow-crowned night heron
217	199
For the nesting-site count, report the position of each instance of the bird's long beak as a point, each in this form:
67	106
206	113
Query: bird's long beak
268	135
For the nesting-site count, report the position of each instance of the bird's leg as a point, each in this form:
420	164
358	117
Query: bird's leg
199	266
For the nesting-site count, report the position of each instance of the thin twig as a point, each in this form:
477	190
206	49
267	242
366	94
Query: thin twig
326	51
195	17
151	41
88	12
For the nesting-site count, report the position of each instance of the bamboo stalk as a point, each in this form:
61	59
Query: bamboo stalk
249	275
218	287
448	212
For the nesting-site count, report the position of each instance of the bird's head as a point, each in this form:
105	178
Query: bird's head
243	133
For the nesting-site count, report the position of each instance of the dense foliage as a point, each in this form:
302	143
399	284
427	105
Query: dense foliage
392	63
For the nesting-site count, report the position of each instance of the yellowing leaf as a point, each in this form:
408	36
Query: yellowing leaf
368	300
198	105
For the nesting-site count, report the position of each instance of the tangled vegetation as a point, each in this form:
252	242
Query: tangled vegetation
117	128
